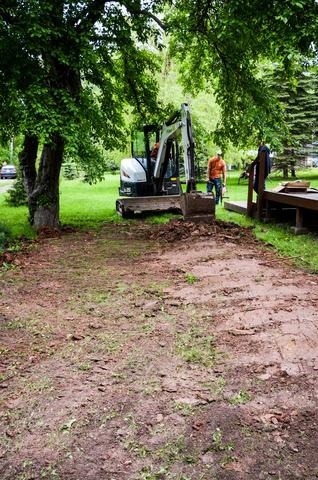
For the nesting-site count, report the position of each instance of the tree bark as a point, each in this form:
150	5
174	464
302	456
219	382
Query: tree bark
27	159
285	172
44	199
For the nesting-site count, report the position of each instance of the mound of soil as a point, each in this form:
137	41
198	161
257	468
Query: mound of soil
178	229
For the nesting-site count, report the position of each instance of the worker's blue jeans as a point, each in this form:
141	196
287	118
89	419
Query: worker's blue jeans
217	183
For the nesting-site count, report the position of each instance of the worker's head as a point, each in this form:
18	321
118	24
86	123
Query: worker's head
219	153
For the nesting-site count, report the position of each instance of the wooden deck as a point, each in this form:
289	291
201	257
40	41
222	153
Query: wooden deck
308	200
300	208
239	207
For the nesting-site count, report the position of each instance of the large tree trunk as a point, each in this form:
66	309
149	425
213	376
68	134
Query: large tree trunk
44	199
27	158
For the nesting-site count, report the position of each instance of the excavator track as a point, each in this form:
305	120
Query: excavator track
128	207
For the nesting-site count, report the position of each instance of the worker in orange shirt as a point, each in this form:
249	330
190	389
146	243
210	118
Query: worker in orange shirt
155	150
216	175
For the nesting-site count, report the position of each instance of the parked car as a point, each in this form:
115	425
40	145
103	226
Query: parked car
8	171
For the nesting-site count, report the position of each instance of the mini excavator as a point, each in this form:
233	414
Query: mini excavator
150	179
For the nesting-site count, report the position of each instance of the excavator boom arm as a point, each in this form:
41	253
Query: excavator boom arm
169	133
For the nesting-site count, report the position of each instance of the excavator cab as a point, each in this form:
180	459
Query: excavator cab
137	173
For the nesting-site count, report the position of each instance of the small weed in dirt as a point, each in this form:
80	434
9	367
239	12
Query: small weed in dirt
49	473
66	427
37	349
85	366
26	470
4	351
221	382
167	317
240	398
190	278
133	253
122	287
119	377
172	451
247	431
216	387
217	442
195	346
184	408
149	473
147	328
227	459
151	386
108	343
137	448
99	297
5	267
15	325
107	418
157	288
28	324
130	420
27	463
41	385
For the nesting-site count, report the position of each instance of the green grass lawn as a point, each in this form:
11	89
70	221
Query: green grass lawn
87	206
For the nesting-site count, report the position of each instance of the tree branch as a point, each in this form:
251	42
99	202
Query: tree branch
92	13
162	25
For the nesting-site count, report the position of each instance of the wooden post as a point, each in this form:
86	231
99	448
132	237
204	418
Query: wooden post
261	185
299	218
299	228
250	188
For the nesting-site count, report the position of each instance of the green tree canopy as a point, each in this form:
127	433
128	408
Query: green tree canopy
68	71
221	44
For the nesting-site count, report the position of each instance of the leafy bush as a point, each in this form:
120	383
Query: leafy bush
17	196
5	237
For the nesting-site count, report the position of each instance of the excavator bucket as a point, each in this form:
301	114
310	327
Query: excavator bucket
198	207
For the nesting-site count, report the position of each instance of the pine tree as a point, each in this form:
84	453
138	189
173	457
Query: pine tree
300	104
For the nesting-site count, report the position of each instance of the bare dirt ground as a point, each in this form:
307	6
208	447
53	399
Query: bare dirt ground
140	353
